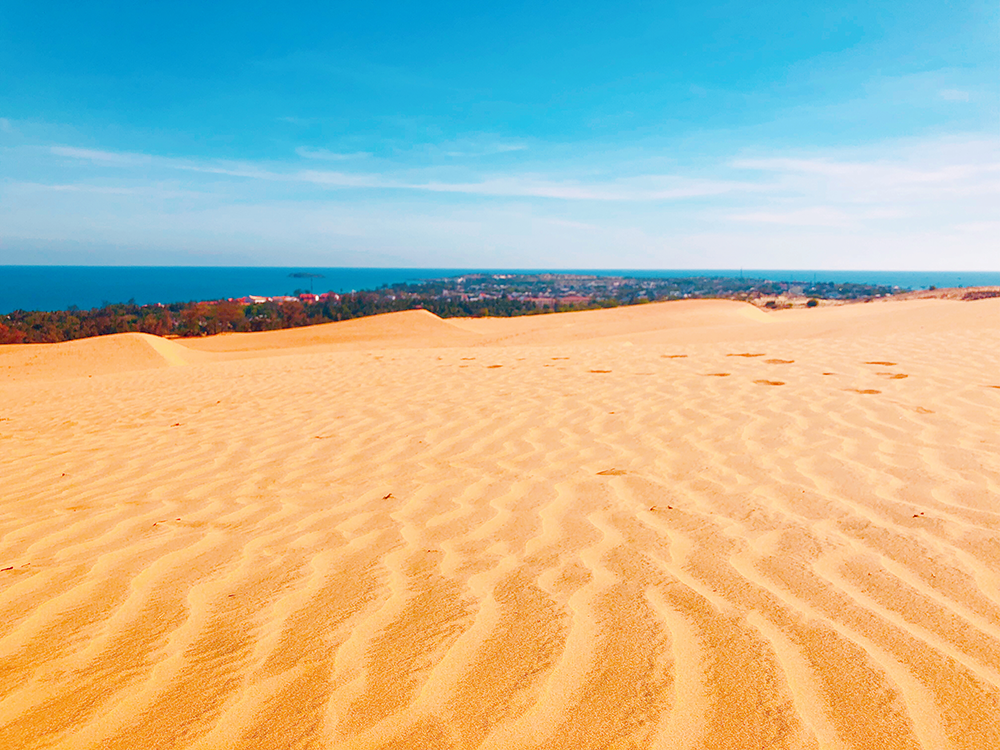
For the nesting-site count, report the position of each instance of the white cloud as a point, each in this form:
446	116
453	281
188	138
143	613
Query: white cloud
920	203
652	188
820	216
984	227
325	154
488	149
101	157
955	95
875	172
325	178
105	190
897	178
644	188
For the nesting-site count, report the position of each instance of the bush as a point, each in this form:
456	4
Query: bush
10	335
812	303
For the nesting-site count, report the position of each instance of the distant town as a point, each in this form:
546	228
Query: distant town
563	291
470	295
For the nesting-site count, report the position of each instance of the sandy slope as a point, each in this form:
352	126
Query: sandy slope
413	328
587	530
104	355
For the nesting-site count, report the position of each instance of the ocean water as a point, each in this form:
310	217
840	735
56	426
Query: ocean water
60	287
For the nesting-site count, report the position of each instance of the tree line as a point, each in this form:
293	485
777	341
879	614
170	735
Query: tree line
474	295
209	318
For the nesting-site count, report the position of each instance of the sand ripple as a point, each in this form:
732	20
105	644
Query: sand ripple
407	545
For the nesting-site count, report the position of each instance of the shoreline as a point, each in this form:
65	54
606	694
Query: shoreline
473	295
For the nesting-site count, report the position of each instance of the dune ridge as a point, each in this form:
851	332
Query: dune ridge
509	533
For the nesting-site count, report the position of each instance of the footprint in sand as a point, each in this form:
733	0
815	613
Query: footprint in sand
893	375
866	391
612	473
994	386
600	370
673	356
717	374
769	382
779	361
884	364
493	367
746	354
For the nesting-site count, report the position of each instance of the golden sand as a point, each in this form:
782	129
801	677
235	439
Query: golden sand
586	530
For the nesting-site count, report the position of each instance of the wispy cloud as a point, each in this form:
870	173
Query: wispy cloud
638	189
920	171
955	95
654	188
945	185
325	154
977	227
884	173
918	203
100	157
126	159
487	149
78	188
819	216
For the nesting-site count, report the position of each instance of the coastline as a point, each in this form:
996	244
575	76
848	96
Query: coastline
59	287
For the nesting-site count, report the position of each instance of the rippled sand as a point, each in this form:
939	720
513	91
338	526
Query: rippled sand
687	525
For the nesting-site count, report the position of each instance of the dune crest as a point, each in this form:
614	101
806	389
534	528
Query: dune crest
548	532
101	355
409	328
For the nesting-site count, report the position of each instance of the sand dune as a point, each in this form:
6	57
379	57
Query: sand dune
122	352
689	525
682	320
409	329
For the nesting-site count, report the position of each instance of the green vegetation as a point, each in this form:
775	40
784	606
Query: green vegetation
207	318
473	295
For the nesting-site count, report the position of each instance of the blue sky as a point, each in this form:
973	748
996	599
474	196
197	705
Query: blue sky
644	135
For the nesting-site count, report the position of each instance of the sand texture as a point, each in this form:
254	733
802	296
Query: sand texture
682	525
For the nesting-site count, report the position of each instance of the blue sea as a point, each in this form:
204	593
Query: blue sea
60	287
